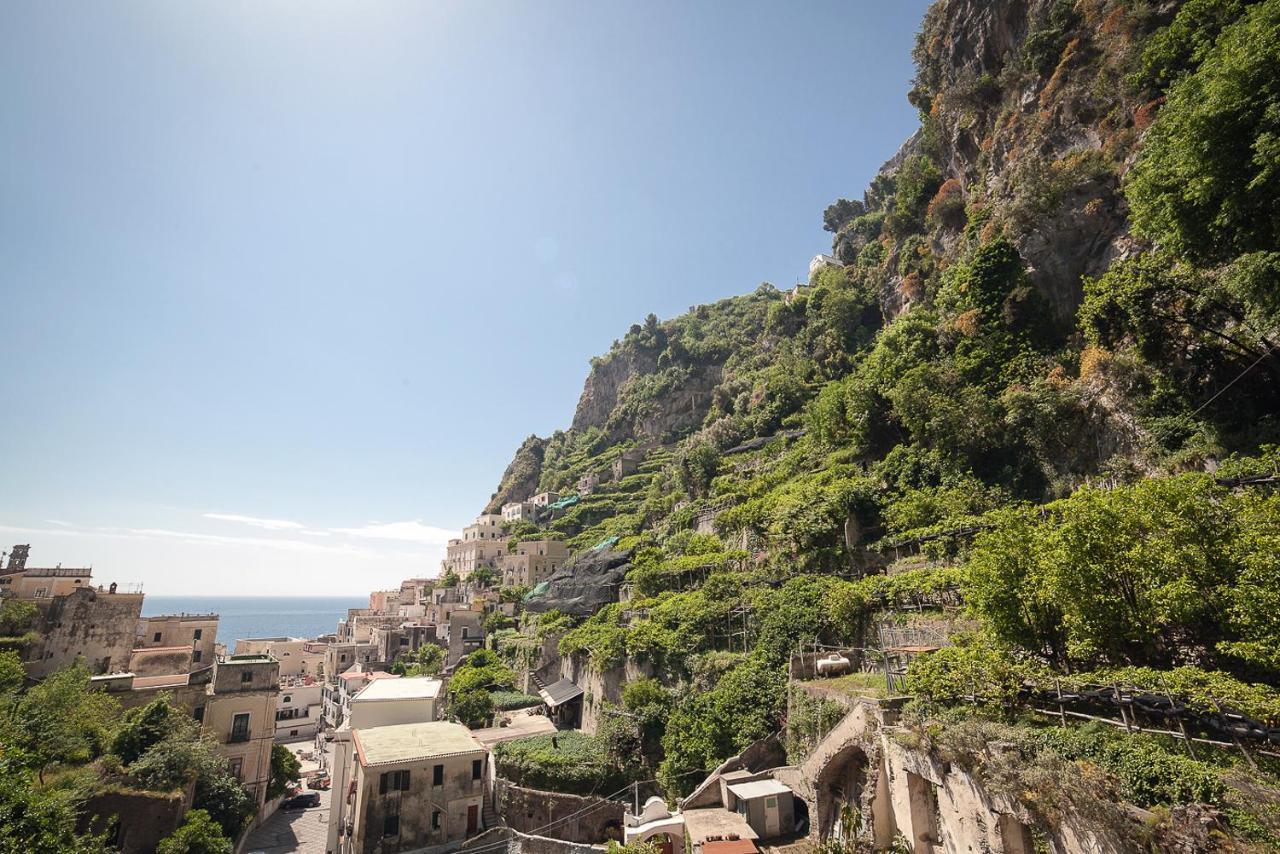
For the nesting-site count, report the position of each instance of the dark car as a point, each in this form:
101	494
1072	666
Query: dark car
301	801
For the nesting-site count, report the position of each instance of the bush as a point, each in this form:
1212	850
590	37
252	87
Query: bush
570	762
199	834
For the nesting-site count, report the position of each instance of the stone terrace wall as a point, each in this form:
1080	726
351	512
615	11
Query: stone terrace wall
528	810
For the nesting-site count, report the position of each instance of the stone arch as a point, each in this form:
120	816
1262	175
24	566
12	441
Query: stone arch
841	782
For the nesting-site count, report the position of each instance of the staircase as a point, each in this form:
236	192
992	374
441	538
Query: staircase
489	814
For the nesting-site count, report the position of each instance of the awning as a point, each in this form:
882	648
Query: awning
559	693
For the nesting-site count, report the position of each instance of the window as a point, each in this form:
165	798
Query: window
235	766
435	819
391	825
196	634
437	775
154	638
464	632
240	727
246	676
393	781
198	713
288	698
476	769
196	656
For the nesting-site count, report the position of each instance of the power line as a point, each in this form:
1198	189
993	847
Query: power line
1240	376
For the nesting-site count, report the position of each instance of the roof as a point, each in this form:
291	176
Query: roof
390	745
162	649
369	675
730	846
169	680
404	688
758	789
559	693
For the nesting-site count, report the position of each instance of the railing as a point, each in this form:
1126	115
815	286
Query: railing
238	736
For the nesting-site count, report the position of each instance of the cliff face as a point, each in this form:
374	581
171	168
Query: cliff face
520	480
1027	115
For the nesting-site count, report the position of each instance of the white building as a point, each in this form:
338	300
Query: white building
298	709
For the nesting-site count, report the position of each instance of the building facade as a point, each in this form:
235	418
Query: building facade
240	713
199	632
533	561
415	785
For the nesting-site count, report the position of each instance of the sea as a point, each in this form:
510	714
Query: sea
260	616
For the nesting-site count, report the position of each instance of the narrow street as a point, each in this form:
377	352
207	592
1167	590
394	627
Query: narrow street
293	831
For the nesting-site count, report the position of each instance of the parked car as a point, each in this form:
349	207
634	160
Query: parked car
301	801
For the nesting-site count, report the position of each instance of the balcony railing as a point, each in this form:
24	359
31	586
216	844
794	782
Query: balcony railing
238	736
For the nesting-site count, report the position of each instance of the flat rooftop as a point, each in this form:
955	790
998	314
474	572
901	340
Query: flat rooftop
389	745
758	789
404	688
716	823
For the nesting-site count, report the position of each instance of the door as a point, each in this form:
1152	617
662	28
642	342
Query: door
771	822
473	819
665	845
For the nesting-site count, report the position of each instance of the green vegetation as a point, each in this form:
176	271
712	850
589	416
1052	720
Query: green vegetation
285	769
569	762
62	742
199	834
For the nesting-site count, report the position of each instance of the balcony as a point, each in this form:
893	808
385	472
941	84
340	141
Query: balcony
238	736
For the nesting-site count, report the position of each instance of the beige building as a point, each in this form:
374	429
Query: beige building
415	785
240	712
462	635
44	582
519	511
198	632
533	561
544	499
481	544
298	657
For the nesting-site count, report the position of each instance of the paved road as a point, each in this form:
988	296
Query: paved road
303	831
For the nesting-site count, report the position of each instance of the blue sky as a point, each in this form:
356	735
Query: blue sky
285	284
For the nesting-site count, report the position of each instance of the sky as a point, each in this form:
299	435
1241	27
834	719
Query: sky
283	285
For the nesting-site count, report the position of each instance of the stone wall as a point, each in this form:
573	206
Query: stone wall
594	820
524	843
97	627
135	820
601	687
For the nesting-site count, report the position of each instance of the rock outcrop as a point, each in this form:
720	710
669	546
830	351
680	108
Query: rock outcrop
586	583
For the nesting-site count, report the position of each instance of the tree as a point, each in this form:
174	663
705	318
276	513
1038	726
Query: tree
199	834
473	708
37	819
484	576
449	579
16	620
285	769
145	726
63	720
840	212
1206	183
226	800
12	673
426	660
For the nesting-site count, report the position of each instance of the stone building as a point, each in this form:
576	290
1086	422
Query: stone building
519	511
415	785
385	702
395	642
462	635
97	627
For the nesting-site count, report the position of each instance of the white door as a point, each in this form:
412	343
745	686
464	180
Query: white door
771	817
